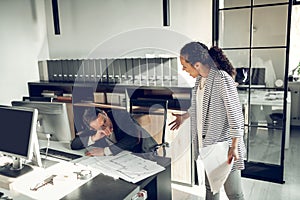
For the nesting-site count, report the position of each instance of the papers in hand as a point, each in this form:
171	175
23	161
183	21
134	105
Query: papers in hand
214	158
124	165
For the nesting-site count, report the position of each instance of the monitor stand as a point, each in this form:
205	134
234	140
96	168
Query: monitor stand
15	169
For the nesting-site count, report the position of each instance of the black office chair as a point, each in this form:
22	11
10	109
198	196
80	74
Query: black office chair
277	118
141	107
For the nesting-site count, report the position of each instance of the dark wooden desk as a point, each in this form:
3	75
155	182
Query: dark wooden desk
158	186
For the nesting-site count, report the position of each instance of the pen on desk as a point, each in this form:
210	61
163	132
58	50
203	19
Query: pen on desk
43	183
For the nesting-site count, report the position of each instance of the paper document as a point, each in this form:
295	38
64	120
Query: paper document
214	158
64	181
124	165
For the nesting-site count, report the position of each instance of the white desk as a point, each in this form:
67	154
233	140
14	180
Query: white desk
66	180
266	98
158	186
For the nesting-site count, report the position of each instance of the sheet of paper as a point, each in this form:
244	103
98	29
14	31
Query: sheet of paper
65	181
214	158
125	165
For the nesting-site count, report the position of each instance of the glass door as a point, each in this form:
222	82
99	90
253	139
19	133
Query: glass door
254	34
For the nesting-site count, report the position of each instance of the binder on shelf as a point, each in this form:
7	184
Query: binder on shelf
80	70
58	71
98	71
88	70
92	70
50	65
77	65
136	71
43	70
166	71
158	71
123	70
65	71
86	73
71	70
151	71
104	71
116	70
174	71
110	70
129	70
144	71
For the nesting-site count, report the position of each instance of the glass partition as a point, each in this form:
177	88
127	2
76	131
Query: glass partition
254	36
238	58
234	31
266	122
260	2
273	61
233	3
269	26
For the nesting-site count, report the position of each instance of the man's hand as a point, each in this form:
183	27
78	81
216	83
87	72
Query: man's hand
95	152
98	135
101	133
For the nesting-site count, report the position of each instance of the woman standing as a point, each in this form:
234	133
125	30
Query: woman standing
216	112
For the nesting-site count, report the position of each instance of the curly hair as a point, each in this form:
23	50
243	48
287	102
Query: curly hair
199	52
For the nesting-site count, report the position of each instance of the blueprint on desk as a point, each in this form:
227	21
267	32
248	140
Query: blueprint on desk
124	165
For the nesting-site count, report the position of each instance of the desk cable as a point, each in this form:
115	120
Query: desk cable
47	148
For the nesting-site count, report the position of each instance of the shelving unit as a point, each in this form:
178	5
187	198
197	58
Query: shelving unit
178	97
178	100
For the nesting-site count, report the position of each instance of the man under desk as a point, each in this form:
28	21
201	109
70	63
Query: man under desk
110	133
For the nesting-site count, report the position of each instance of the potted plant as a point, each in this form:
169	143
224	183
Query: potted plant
293	76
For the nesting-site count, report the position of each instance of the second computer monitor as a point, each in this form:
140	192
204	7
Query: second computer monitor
18	139
257	76
52	119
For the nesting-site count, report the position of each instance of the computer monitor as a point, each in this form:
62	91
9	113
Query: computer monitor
18	139
257	76
52	119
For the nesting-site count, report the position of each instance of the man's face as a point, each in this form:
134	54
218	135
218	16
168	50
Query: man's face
102	122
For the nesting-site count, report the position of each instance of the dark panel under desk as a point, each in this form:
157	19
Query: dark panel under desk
104	187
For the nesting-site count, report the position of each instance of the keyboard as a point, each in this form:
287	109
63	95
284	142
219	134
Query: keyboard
59	154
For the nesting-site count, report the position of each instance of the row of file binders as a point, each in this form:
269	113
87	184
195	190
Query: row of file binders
140	71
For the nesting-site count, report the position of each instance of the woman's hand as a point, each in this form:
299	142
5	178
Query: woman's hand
233	151
232	154
95	152
178	121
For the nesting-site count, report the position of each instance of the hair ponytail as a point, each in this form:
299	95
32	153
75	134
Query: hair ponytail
198	52
221	60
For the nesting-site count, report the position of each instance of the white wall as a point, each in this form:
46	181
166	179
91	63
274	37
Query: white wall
25	38
295	41
115	28
23	41
87	24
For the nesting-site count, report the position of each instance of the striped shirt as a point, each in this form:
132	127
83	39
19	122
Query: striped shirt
222	116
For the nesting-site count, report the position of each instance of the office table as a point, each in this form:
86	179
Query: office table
269	98
105	187
157	186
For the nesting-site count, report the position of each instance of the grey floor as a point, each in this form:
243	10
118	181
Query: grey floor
255	189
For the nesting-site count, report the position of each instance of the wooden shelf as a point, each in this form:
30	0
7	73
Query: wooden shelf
178	97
